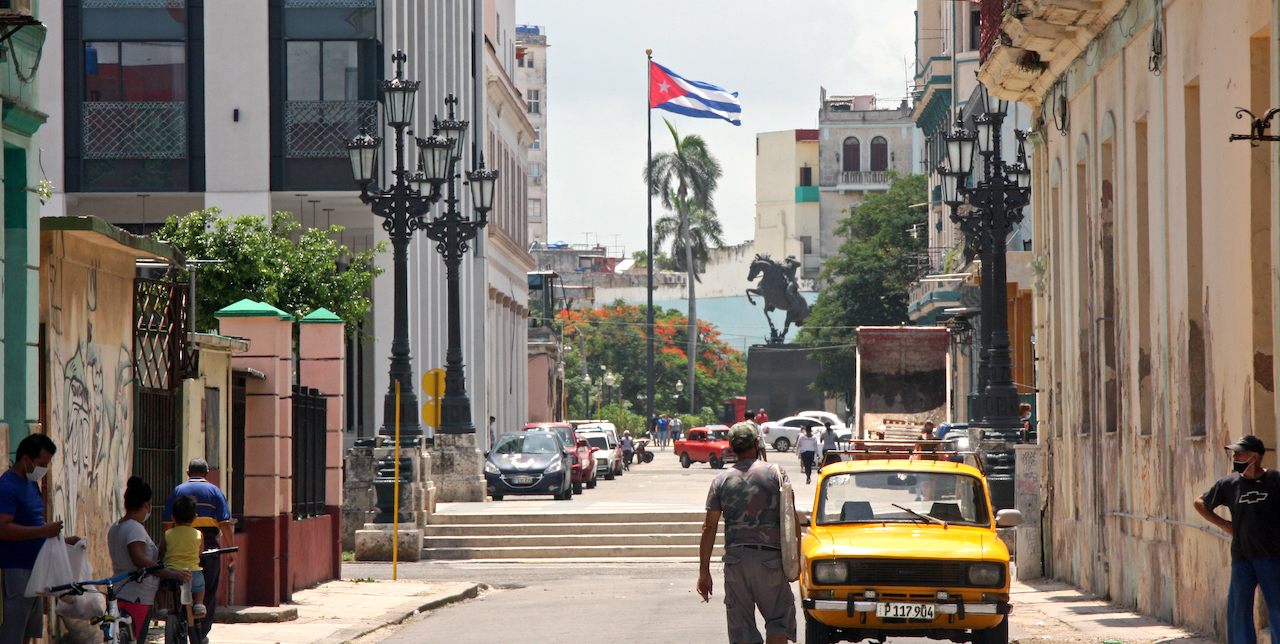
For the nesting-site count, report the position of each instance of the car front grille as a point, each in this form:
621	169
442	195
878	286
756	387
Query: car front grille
907	572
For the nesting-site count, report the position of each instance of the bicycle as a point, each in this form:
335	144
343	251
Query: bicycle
179	623
116	628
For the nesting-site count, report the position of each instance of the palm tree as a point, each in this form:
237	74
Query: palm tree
686	178
704	231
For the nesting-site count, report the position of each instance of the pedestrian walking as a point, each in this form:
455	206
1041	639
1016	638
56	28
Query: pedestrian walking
663	423
807	448
1252	494
213	518
22	526
628	449
762	417
748	496
830	443
676	428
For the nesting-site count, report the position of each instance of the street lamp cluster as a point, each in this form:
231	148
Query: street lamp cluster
994	207
403	207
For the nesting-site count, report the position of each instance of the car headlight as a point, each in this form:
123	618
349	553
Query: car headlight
829	573
490	468
554	467
986	574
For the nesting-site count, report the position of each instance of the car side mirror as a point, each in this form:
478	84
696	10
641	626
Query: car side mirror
1008	519
486	453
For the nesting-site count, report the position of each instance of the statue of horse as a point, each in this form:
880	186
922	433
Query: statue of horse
779	290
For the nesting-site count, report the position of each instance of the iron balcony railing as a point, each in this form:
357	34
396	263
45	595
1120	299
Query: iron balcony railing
328	4
321	129
865	178
135	130
133	4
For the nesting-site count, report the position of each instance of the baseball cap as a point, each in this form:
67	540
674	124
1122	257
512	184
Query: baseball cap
743	435
1248	443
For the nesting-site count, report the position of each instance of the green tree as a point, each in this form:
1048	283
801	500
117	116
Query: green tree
613	338
260	261
868	281
705	234
684	178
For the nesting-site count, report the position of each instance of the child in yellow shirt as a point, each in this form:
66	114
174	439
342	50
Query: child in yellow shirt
182	546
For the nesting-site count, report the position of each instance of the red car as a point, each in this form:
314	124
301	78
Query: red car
583	453
708	444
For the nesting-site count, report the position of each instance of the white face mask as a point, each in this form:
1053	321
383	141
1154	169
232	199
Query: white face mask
35	475
148	515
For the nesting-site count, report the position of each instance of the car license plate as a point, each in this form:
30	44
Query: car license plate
905	611
522	480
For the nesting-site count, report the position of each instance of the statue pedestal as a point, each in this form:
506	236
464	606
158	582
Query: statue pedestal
459	468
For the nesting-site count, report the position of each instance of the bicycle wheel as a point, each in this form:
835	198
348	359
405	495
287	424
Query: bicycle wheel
176	628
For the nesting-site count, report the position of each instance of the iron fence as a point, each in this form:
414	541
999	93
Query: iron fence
864	178
133	4
310	434
328	4
135	130
321	129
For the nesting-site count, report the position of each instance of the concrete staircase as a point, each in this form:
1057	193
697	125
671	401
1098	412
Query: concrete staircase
517	535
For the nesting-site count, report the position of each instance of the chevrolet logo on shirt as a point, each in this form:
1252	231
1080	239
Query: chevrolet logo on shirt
1253	496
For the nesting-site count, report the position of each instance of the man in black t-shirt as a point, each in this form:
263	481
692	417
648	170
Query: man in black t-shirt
1252	494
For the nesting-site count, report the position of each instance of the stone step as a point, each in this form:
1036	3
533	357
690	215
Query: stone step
500	529
565	552
562	540
514	518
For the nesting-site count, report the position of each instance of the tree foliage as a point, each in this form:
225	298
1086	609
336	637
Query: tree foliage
868	281
614	339
705	234
262	262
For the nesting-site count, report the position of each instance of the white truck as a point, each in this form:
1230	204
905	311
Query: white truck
903	379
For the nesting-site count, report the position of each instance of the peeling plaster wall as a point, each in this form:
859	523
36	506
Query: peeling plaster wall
1121	280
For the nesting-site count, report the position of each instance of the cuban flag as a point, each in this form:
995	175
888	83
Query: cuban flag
668	91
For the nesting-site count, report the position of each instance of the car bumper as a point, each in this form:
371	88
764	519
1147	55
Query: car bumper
542	484
862	614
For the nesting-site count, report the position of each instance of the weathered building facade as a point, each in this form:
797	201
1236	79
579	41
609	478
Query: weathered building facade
531	79
1155	287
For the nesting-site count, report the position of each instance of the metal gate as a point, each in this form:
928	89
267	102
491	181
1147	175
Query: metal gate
160	357
239	391
310	433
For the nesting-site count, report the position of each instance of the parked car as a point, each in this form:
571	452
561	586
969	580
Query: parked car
959	440
708	444
529	463
584	472
607	454
615	439
902	547
782	433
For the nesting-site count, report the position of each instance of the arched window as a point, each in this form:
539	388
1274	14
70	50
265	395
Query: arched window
852	155
879	154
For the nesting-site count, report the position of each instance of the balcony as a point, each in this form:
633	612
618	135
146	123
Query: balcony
878	178
806	194
135	130
321	129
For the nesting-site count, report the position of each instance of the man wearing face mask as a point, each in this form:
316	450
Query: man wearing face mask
22	525
1252	493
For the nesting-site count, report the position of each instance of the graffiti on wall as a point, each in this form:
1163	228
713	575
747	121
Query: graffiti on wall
90	392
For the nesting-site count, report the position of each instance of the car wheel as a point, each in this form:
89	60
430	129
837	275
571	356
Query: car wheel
617	469
782	444
496	497
648	457
815	632
592	482
715	462
997	635
608	475
685	461
577	487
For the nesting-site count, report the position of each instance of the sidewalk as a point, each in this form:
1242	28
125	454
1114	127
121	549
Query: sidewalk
337	612
1051	611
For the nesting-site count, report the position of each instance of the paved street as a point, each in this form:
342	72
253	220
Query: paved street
654	601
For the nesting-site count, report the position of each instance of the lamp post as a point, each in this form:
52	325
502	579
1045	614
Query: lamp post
996	201
403	208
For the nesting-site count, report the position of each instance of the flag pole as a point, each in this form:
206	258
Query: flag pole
649	199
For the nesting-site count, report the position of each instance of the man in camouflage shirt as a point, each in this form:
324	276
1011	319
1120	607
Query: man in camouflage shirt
747	495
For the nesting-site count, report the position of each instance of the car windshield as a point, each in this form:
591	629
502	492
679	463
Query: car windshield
875	497
718	435
530	443
598	441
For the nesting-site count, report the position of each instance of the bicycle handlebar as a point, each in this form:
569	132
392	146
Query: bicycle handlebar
220	551
135	575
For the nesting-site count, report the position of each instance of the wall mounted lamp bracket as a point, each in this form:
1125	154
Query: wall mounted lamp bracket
1257	128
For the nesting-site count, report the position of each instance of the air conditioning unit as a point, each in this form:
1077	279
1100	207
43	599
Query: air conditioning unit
15	8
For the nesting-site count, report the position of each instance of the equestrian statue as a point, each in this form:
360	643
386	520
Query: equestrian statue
780	290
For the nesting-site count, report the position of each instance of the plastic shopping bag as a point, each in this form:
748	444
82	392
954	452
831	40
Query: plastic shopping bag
58	564
86	606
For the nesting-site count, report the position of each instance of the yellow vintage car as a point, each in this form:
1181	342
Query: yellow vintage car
903	547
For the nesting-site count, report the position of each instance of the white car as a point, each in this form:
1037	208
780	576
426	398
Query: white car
782	434
825	417
608	459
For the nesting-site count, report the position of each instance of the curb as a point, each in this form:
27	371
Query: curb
456	593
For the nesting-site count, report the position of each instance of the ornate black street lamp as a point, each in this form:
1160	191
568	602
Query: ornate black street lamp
995	204
403	208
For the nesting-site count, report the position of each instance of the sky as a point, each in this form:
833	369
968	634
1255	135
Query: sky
776	54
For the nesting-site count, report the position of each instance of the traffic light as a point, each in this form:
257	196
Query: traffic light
433	391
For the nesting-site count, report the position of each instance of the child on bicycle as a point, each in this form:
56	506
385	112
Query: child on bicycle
182	546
